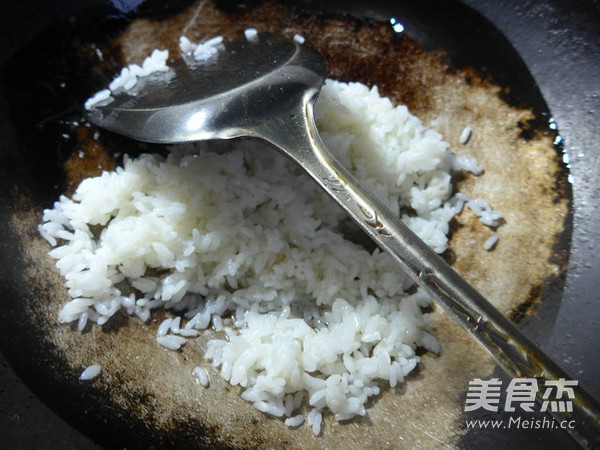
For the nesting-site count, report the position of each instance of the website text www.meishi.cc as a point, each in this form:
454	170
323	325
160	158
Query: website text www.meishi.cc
520	423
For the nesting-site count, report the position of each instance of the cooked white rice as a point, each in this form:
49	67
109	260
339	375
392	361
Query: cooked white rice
491	242
90	372
201	375
484	211
465	135
299	39
171	342
467	164
233	229
127	78
251	33
202	51
100	96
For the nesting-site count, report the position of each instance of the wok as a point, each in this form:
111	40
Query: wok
560	50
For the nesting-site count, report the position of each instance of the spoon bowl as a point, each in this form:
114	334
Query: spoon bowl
233	94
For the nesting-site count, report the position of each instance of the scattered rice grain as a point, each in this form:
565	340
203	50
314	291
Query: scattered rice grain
202	376
90	372
491	242
465	135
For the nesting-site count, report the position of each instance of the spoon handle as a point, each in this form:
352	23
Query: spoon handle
296	135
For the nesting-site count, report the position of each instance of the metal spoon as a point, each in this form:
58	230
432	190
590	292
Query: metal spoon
266	88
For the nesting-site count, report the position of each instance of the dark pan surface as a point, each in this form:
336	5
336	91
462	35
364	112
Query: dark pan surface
567	321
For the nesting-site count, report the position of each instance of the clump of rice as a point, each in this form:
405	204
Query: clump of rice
467	164
127	78
484	211
201	51
219	230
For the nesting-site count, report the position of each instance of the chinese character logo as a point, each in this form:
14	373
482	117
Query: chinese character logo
521	391
483	394
560	388
557	395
